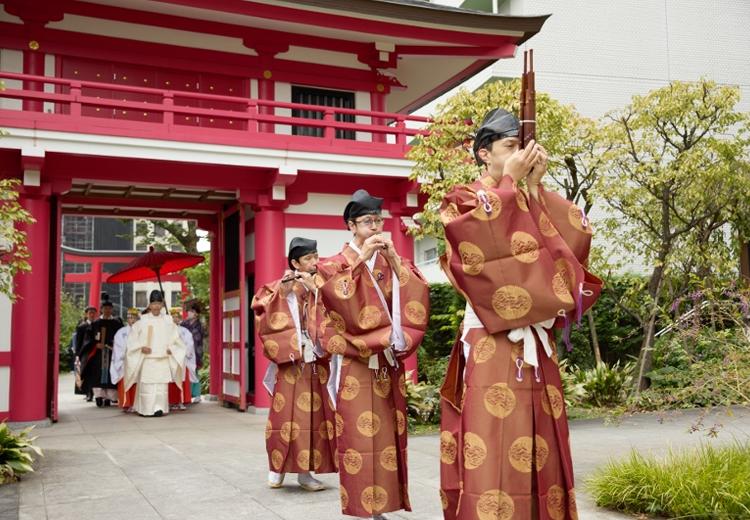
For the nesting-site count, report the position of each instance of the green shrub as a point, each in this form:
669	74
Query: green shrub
699	369
15	453
607	385
422	402
446	313
703	483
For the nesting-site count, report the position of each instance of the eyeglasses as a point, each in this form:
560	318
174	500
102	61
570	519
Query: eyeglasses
370	221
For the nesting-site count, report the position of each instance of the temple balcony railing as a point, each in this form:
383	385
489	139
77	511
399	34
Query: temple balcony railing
87	107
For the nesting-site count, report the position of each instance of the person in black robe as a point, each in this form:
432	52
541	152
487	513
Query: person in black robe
83	337
97	357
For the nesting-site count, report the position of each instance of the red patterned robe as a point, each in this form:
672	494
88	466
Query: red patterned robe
371	397
300	430
504	432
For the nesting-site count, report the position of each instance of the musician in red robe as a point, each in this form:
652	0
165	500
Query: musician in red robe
300	430
519	258
377	305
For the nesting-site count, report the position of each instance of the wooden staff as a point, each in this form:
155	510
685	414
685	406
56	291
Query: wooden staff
527	113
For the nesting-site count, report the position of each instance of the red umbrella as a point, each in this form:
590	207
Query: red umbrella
154	263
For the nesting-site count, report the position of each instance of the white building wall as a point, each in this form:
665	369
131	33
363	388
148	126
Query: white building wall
6	314
597	55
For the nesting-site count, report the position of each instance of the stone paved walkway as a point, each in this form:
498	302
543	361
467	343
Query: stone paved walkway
209	463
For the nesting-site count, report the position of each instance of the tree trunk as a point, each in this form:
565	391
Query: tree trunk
594	337
645	359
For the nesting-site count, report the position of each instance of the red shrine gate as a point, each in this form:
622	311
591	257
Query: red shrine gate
256	119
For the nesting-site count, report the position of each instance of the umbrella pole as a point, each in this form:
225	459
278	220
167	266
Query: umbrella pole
164	296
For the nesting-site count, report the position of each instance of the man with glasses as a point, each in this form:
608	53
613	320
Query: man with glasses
378	307
300	431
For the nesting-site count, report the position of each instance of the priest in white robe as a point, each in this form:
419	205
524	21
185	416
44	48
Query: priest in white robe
117	368
155	357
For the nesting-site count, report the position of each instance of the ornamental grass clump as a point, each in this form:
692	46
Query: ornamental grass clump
15	453
707	482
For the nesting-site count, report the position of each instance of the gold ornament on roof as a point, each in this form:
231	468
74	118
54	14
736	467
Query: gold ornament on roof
34	45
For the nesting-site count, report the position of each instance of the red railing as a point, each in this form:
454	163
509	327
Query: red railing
79	106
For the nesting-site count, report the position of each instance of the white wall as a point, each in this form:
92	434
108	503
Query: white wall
11	61
6	314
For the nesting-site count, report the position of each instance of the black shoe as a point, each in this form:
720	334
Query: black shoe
158	413
89	399
107	402
99	402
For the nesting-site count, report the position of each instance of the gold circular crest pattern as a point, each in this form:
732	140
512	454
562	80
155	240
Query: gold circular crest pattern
415	312
336	344
443	500
337	321
560	288
403	276
344	497
495	504
449	213
520	454
339	424
511	302
497	205
382	387
400	422
344	287
349	388
541	452
278	402
499	400
272	348
368	423
369	317
552	401
364	351
322	374
326	430
402	384
269	429
472	258
278	320
475	450
556	502
374	499
291	375
309	402
277	459
290	431
546	227
566	270
572	504
521	201
389	458
524	247
575	217
484	350
448	447
352	460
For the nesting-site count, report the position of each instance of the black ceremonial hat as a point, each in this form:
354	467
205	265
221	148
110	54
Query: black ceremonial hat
299	247
498	124
362	203
156	296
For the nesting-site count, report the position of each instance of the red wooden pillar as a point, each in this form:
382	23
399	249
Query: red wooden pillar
29	340
404	244
33	63
270	263
214	324
267	92
95	287
377	104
